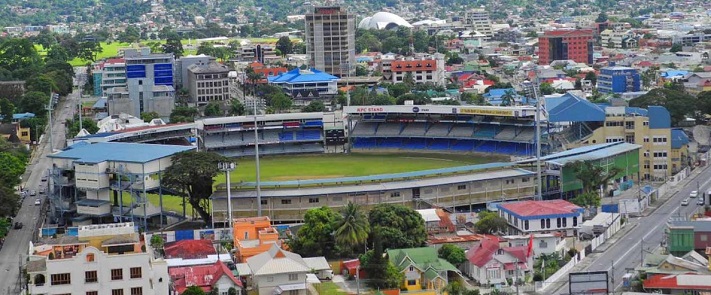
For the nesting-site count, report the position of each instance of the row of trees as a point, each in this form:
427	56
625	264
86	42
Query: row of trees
677	101
13	159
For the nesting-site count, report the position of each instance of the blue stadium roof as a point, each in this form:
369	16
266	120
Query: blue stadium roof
98	135
302	76
659	117
118	151
381	177
678	138
571	108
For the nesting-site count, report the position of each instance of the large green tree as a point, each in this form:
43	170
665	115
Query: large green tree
592	175
490	223
353	229
34	102
9	199
317	236
237	108
7	109
280	102
213	110
679	104
181	114
285	46
452	253
173	45
192	173
397	226
11	168
382	274
19	55
314	106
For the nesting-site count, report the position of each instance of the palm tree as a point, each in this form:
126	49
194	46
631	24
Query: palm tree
509	98
353	229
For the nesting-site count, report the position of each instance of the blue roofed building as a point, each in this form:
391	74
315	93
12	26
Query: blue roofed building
496	97
89	179
305	86
618	80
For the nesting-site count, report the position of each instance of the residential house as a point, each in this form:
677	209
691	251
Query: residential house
437	221
547	216
208	277
669	264
678	284
423	268
425	69
12	132
498	97
697	83
542	243
685	236
491	263
277	271
95	259
253	236
189	249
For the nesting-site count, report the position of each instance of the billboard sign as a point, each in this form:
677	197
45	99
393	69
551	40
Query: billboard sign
584	283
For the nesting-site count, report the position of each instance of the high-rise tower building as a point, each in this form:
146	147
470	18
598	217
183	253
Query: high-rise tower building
478	20
330	40
574	45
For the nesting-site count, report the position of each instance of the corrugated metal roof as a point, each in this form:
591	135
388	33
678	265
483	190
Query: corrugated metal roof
571	152
387	186
678	138
119	152
571	108
301	76
317	263
619	148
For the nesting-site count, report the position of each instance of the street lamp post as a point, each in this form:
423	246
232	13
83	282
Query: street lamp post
228	167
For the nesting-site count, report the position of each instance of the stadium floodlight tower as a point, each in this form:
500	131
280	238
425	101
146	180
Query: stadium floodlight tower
228	167
539	185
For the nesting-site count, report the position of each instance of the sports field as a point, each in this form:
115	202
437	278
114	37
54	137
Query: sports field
281	168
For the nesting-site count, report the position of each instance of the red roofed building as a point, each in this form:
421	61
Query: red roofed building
189	249
490	263
266	72
574	45
423	70
547	216
678	284
207	277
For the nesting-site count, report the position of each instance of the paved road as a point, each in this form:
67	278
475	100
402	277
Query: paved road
17	241
647	234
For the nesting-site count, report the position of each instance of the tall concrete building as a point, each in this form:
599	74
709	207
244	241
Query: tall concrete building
149	85
330	40
566	44
208	83
478	20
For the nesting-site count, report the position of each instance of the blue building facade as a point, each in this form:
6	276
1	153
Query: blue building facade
618	80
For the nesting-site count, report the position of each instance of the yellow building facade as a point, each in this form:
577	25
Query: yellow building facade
664	149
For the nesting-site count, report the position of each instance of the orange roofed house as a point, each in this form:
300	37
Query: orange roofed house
254	235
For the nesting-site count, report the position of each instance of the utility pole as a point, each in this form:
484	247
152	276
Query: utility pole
49	109
79	109
256	157
612	276
516	280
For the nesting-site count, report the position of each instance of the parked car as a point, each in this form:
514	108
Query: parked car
701	201
33	193
18	225
685	202
38	202
44	178
694	194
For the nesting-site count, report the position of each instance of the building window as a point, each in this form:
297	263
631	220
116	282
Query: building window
395	194
90	257
543	244
462	187
285	202
117	292
411	282
575	221
543	223
558	223
525	225
117	274
135	272
313	200
703	238
548	223
92	293
61	279
90	277
270	278
293	277
565	222
137	291
264	202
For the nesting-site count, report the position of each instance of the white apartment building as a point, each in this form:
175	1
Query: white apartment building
330	40
109	74
426	69
549	216
76	265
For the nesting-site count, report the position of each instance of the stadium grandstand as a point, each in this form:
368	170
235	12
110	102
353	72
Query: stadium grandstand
483	129
278	134
572	119
126	128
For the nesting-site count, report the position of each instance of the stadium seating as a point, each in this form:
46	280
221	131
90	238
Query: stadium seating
415	144
364	128
438	130
286	136
463	145
414	129
461	130
308	135
364	143
526	134
390	143
389	129
506	133
485	131
438	144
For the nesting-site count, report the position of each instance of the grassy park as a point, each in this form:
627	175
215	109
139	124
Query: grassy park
282	168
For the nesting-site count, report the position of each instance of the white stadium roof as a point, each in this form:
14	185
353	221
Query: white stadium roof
383	20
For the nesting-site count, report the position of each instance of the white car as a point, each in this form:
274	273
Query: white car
38	202
694	194
685	202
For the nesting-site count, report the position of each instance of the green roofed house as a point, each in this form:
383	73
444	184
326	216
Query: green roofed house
423	268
